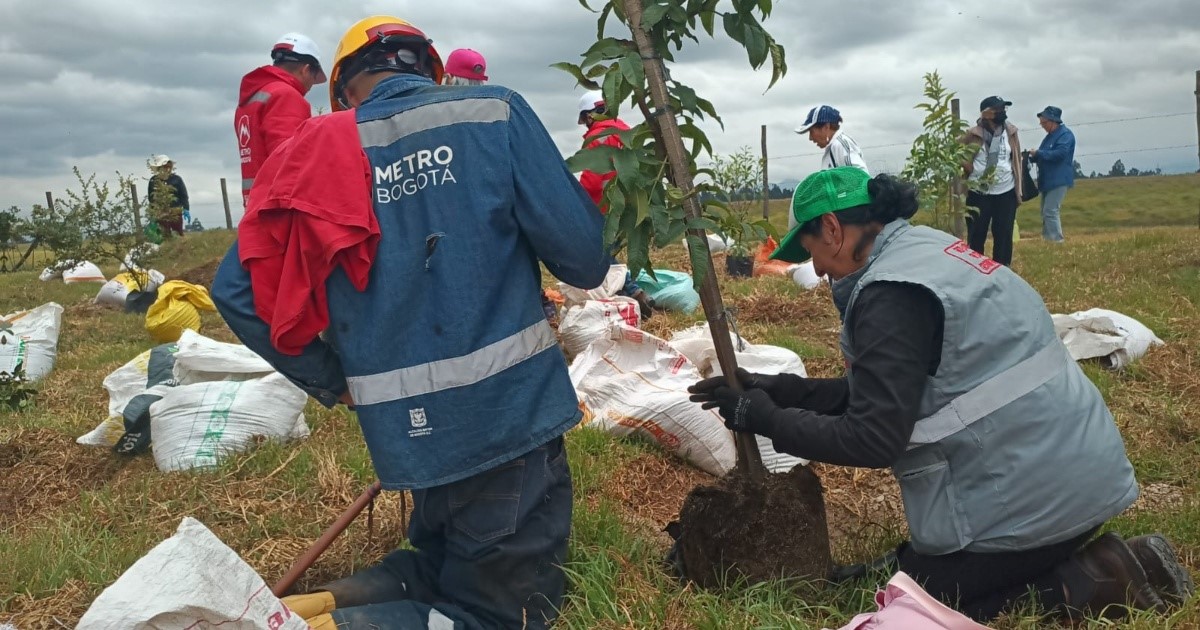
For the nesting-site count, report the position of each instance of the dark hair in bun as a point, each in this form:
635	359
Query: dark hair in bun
891	198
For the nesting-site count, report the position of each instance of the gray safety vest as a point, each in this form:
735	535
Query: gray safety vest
1015	448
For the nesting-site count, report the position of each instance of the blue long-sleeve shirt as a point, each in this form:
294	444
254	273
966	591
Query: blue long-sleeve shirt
1056	159
447	355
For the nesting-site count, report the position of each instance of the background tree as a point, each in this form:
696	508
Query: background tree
10	222
94	223
1117	170
738	179
935	161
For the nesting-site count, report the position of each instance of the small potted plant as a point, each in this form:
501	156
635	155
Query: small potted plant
739	263
736	183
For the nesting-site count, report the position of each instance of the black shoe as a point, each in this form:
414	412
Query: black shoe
842	573
1163	570
1105	577
646	304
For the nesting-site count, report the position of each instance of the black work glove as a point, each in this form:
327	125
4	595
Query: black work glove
750	411
785	389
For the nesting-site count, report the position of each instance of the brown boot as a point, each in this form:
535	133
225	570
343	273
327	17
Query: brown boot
1163	570
1104	578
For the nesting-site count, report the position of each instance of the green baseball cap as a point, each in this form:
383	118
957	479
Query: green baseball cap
821	193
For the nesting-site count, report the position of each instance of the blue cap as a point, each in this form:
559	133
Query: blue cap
819	115
1051	113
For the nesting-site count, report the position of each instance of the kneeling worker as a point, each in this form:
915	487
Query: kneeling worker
1008	459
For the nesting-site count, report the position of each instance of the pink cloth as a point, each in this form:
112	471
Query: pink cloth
904	605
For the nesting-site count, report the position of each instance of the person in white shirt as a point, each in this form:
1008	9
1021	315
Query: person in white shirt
995	174
823	124
824	127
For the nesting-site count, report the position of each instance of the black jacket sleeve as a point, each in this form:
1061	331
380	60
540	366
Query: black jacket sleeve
181	194
896	334
822	395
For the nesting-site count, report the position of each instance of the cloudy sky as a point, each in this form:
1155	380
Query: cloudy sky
102	84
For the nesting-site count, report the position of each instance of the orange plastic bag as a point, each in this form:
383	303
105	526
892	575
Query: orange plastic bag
764	266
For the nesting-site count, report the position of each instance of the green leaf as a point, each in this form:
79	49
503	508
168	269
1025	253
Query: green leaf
603	19
756	43
642	200
686	95
605	50
612	93
701	223
778	62
576	72
597	71
661	217
670	233
612	225
744	7
699	139
653	14
765	7
634	70
698	255
733	27
707	108
614	197
627	166
597	159
637	252
707	19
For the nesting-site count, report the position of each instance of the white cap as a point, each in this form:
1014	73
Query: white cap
296	45
159	161
590	100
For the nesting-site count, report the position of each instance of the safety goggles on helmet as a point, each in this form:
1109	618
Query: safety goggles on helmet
382	44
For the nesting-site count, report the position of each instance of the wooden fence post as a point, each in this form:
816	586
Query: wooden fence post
137	211
766	186
225	199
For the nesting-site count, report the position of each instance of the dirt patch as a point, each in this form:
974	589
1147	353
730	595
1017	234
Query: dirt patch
202	275
652	488
10	455
1158	497
860	500
759	531
41	469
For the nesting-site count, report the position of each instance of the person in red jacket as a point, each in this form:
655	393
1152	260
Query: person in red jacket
271	103
594	116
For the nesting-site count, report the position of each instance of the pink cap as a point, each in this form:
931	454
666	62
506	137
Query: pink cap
467	63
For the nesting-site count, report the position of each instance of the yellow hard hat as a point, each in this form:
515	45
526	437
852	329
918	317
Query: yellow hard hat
381	37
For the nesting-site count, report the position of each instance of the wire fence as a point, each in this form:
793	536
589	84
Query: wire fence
1072	125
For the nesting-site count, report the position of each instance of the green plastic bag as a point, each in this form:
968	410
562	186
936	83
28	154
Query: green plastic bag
152	233
672	290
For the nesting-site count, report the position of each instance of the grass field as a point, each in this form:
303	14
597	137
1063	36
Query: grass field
72	519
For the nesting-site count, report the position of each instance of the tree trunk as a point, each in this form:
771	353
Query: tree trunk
749	461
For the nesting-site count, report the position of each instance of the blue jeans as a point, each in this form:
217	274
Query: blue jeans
488	554
630	287
1051	221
